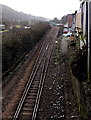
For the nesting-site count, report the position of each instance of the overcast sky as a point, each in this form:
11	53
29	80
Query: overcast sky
44	8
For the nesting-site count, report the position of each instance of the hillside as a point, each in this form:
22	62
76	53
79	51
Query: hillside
12	15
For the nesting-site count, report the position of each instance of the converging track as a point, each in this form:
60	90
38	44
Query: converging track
29	101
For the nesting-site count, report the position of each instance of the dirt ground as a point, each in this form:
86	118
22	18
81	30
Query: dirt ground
58	100
15	86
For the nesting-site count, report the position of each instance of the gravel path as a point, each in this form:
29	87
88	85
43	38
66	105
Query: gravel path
58	101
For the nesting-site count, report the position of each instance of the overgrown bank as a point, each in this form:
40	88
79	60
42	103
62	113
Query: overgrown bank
81	87
18	42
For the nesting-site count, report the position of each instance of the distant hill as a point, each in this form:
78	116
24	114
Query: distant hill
12	15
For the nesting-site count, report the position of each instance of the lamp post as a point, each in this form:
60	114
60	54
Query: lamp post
89	41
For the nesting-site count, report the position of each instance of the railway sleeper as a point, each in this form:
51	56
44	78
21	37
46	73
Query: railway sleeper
24	113
30	100
33	90
32	94
31	97
27	108
29	104
35	84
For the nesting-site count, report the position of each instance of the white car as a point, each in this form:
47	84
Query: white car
68	34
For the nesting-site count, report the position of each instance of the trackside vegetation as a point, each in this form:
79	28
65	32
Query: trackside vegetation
19	41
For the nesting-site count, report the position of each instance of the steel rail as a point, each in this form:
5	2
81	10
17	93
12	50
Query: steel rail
32	76
18	62
29	82
43	76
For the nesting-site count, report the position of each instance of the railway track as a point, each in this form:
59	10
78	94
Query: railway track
9	73
29	102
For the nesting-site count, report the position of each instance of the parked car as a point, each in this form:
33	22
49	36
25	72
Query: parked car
67	33
2	27
65	30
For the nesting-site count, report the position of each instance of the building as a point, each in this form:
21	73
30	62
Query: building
71	21
78	21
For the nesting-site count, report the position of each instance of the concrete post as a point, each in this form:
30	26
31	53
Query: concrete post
89	41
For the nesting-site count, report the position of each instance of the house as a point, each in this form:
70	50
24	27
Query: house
69	20
78	21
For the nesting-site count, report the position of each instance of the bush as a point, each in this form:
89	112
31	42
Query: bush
79	64
18	42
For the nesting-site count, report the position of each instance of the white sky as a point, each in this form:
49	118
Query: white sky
44	8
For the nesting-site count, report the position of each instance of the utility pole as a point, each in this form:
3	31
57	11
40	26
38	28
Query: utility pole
89	41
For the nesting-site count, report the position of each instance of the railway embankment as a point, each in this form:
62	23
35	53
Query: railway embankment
65	95
59	100
17	44
81	86
13	91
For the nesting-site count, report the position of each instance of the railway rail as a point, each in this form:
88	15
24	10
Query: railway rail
29	102
9	73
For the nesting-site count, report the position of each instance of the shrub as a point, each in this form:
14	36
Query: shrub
79	64
18	42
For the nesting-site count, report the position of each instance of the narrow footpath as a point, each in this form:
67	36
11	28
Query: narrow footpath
58	101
